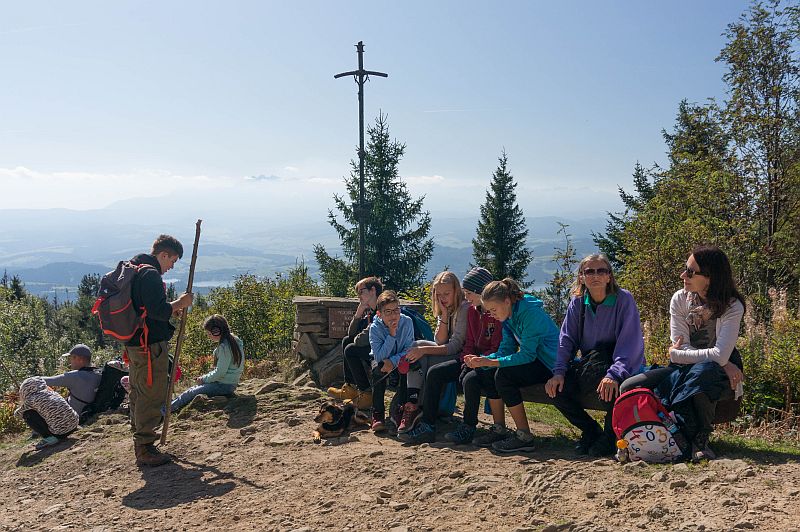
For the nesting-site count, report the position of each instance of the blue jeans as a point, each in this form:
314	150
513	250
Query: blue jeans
210	389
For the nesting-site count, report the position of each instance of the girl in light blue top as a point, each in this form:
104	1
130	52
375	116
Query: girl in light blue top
228	364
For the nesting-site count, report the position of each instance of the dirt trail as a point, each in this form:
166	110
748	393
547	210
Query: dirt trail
248	463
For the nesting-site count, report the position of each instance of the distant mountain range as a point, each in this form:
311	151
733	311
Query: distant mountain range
50	250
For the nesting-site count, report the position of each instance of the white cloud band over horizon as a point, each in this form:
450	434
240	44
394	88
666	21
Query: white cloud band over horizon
291	195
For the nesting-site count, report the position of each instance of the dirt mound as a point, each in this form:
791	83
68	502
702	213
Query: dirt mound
248	463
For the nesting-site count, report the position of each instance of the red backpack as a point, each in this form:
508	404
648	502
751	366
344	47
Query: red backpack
645	429
114	306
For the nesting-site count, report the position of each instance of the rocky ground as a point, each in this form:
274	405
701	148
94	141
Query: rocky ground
248	463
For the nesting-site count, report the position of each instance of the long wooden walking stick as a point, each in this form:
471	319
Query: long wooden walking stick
179	342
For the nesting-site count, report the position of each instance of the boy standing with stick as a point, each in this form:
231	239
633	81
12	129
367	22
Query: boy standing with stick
148	350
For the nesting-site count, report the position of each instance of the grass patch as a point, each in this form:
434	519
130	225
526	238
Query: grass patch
756	448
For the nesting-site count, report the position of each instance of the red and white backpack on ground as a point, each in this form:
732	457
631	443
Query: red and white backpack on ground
644	428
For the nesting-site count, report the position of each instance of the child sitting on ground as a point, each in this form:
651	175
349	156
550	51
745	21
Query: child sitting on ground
46	413
228	364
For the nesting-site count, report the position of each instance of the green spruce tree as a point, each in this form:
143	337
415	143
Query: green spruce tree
611	242
500	242
397	246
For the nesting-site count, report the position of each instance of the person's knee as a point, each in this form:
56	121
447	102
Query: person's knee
632	382
350	350
503	378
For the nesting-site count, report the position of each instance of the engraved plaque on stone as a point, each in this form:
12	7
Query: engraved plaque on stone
338	321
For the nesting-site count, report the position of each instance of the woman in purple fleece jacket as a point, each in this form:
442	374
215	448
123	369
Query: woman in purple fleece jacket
610	323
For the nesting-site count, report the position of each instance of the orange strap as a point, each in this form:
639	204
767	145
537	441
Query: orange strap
146	348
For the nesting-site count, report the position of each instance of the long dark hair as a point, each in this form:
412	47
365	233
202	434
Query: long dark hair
715	265
217	325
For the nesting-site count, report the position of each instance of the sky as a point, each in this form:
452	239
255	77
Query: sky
233	105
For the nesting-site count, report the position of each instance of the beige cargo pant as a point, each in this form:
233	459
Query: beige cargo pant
147	400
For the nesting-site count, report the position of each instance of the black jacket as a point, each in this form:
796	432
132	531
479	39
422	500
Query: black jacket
148	290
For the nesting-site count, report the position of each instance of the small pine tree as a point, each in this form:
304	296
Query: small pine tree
611	242
556	293
500	242
397	246
17	288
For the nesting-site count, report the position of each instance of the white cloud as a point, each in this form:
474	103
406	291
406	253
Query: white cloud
292	169
30	189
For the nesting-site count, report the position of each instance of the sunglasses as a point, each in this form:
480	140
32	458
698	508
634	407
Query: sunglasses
597	271
690	272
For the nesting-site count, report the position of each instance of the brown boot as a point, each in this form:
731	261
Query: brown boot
150	456
363	400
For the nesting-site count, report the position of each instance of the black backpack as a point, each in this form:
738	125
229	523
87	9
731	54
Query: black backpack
114	305
110	392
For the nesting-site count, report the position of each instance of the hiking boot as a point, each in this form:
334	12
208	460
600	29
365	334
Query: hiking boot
44	443
363	400
701	450
462	435
602	446
347	391
411	413
378	423
150	456
494	434
518	441
422	433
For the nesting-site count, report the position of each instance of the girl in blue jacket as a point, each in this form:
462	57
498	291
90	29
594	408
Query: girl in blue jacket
526	355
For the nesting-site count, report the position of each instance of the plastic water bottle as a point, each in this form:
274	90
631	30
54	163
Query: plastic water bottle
674	429
667	421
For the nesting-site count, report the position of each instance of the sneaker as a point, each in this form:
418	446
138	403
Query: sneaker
378	423
518	441
462	435
422	433
44	443
347	391
363	400
411	413
494	434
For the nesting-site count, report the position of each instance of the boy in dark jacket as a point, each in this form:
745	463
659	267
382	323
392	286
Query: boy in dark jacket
355	346
148	349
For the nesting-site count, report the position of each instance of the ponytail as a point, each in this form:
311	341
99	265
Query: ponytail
508	288
217	325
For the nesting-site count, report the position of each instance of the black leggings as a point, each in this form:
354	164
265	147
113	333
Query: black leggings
478	382
37	423
438	377
511	378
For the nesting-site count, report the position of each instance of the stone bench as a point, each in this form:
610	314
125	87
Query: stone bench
727	407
